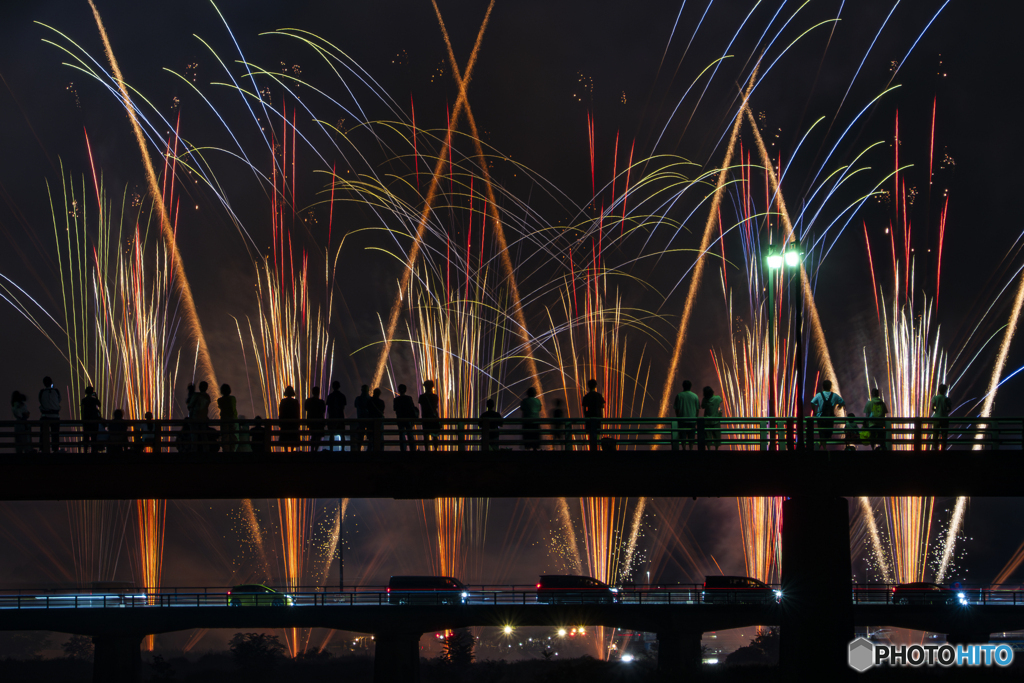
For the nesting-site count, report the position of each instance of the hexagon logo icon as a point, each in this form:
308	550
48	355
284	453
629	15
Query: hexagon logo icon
862	654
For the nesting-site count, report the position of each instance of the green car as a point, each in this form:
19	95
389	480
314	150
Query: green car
257	595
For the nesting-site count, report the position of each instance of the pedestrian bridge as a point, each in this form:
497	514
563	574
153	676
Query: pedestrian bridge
179	459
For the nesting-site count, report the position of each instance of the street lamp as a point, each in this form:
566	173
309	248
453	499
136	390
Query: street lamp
792	256
794	259
774	263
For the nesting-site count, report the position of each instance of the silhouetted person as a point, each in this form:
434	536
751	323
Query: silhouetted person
430	409
91	418
377	407
686	406
315	408
530	408
825	403
406	412
228	417
118	438
22	431
199	402
712	406
941	407
364	411
336	403
593	411
288	416
147	434
49	409
874	413
559	427
490	423
258	435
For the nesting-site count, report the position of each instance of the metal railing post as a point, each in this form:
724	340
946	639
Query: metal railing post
701	437
378	435
44	436
918	432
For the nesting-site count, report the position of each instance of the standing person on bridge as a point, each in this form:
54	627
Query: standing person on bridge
712	406
91	416
377	407
22	432
49	409
941	408
430	409
490	423
825	403
258	436
315	407
560	429
874	413
593	411
147	434
336	403
288	415
530	407
228	418
364	411
118	439
406	412
687	406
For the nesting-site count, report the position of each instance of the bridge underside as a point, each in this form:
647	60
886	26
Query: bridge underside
519	474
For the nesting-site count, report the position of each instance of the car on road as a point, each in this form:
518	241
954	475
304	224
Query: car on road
426	590
738	590
556	589
258	595
922	593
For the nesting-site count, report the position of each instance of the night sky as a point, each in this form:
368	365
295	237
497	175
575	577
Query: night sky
543	68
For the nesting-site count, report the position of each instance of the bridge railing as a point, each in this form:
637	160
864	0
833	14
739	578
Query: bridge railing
675	594
115	437
1005	595
999	594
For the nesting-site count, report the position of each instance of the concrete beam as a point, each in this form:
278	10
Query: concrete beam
514	474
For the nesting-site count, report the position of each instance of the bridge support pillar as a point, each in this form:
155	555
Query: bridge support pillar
397	658
117	658
816	613
679	652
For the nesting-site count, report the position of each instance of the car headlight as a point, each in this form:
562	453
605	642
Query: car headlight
465	595
614	590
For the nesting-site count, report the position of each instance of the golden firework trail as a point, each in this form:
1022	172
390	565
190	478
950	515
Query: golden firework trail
492	204
435	179
166	228
709	233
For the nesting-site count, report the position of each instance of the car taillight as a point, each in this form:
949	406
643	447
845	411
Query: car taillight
229	592
538	585
389	590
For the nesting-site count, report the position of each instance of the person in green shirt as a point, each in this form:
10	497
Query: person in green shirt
530	407
687	405
874	412
712	406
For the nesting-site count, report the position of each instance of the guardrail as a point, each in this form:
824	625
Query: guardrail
675	594
389	434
